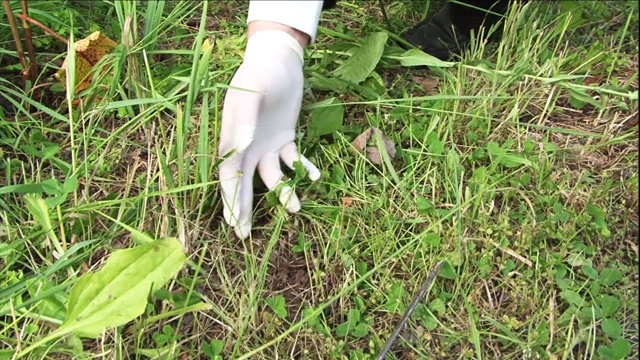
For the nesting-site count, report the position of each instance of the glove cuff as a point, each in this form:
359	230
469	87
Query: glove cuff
300	15
277	37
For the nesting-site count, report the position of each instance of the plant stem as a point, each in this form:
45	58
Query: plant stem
43	27
33	68
201	306
16	39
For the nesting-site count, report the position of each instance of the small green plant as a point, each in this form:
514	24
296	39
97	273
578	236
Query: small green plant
356	325
165	337
278	305
595	302
213	349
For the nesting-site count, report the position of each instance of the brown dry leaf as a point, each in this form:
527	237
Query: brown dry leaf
633	246
430	85
347	202
590	80
360	142
373	153
88	52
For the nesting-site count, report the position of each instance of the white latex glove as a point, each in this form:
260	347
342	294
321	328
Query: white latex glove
259	117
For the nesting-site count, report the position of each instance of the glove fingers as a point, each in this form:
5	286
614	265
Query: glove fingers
271	174
245	202
225	143
237	194
228	172
289	154
240	114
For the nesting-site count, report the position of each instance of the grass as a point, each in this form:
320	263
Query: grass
517	165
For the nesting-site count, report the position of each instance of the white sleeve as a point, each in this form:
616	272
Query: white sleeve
300	15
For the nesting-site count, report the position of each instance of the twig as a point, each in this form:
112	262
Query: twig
384	16
33	68
52	33
43	27
552	308
410	310
16	39
511	252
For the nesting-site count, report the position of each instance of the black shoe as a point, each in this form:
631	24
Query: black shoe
437	36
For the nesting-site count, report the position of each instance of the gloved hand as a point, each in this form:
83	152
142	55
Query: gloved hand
259	117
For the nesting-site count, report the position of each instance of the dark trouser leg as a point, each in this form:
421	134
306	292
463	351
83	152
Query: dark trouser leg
467	18
447	33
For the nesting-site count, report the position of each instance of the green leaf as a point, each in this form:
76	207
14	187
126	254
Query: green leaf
214	349
429	322
572	297
159	353
494	149
70	184
416	57
37	207
605	352
437	306
394	300
425	206
590	271
277	304
609	304
599	219
325	120
21	189
117	293
575	9
353	316
590	312
342	329
610	276
360	330
313	320
575	259
596	212
620	348
611	327
322	83
52	187
504	157
453	162
447	271
217	346
479	176
50	151
51	306
361	268
364	60
514	160
434	144
579	98
431	240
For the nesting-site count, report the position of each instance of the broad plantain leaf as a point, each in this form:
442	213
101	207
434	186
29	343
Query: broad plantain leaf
417	57
117	293
364	60
326	120
579	98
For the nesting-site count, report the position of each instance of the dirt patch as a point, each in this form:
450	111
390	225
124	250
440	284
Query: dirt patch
289	276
